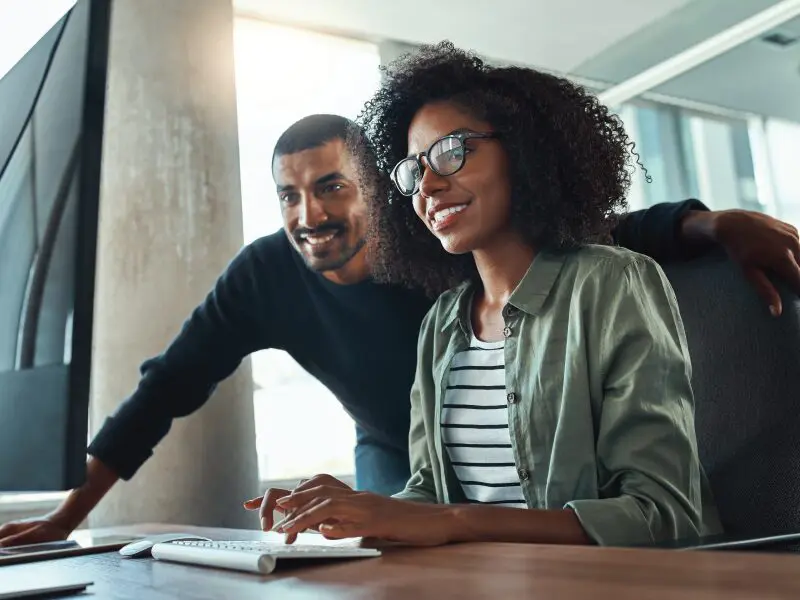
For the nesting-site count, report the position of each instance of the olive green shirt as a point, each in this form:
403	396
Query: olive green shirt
600	404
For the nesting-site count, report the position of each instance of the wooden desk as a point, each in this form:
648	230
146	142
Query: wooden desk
506	571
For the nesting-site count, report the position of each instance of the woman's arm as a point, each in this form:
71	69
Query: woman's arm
421	486
326	491
476	523
343	514
651	482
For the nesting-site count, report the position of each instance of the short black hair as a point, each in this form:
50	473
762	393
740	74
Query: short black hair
570	160
311	132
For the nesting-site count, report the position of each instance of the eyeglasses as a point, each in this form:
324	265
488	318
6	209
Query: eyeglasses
446	156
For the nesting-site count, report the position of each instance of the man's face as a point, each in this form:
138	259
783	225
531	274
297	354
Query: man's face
323	212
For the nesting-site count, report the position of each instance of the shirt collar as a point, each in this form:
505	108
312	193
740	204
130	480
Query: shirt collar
529	295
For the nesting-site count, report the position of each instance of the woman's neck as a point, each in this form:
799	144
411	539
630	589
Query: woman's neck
502	266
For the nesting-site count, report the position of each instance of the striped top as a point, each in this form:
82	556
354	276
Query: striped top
475	426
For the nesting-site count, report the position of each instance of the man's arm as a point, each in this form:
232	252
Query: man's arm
764	247
81	501
66	518
658	231
222	330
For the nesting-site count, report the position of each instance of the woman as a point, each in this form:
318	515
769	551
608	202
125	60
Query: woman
552	401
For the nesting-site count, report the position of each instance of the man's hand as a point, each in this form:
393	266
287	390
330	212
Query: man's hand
342	513
58	524
760	244
32	531
271	500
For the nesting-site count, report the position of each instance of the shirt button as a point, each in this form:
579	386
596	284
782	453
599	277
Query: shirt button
523	474
506	331
512	398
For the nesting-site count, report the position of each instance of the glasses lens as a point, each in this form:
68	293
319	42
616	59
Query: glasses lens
447	155
406	176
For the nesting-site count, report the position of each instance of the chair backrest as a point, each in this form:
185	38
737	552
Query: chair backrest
746	380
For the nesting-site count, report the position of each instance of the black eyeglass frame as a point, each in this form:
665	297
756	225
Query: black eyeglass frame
461	136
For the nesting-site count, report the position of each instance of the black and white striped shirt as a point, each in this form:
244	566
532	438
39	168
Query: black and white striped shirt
475	426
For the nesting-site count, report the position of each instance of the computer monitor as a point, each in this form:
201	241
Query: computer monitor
51	124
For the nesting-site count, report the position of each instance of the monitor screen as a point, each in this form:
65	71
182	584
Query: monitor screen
51	120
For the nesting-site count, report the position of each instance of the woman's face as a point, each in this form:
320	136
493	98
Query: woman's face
469	209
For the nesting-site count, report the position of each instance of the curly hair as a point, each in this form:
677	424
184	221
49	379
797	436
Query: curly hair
568	160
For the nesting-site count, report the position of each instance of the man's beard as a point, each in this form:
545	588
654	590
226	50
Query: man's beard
328	263
331	264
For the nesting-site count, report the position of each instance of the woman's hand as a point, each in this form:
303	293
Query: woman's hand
270	501
342	513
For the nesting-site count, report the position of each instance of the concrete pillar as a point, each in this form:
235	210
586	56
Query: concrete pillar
170	221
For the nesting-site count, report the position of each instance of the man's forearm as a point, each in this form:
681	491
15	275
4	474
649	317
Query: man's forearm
475	523
666	232
699	227
80	501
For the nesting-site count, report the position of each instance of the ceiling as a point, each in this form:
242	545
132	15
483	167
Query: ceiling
557	35
605	41
754	77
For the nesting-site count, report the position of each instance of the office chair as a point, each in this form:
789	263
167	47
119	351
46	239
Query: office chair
746	380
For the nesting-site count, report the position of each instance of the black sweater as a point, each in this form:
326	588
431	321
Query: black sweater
358	340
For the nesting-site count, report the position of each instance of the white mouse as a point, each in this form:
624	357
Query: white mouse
141	548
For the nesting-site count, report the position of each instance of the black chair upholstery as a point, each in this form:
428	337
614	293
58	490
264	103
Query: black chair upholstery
746	379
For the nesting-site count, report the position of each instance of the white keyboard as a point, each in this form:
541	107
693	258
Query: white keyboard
255	557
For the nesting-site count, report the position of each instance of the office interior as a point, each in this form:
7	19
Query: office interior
220	80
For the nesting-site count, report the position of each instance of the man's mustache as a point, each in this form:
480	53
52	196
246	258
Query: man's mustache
301	232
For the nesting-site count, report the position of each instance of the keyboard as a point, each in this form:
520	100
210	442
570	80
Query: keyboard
254	557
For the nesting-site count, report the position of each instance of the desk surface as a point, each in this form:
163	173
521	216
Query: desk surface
458	571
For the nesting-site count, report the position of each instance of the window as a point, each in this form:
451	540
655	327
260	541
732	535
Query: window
655	130
783	148
22	24
723	162
690	154
282	75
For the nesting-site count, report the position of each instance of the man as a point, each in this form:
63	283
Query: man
307	289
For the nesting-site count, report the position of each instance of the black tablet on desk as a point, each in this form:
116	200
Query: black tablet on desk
787	542
82	544
29	587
